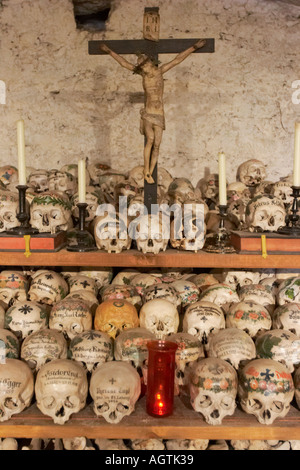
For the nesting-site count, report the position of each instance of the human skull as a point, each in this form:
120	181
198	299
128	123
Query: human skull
124	277
162	291
238	278
62	181
180	190
144	280
9	208
188	232
283	190
96	169
203	280
81	282
221	294
92	199
265	213
70	316
279	345
121	292
287	317
213	389
147	444
131	346
187	290
252	172
203	318
13	287
91	348
236	213
115	388
38	180
8	176
251	317
61	389
209	186
232	345
126	189
114	316
24	318
187	444
289	291
160	317
9	345
109	180
102	276
88	297
43	346
16	388
111	233
150	233
258	294
265	390
189	350
51	212
238	190
47	287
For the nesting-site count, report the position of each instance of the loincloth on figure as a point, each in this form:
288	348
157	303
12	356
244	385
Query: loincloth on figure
154	119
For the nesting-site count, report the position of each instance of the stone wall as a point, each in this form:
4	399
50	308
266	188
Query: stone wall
238	99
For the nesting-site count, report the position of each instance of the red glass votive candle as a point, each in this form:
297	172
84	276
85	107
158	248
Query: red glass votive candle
160	377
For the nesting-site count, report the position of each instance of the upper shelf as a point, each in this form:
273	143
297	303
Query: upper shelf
133	258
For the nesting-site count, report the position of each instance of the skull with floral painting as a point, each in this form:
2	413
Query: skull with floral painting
24	318
253	318
43	346
122	292
9	208
131	346
91	348
251	172
51	212
71	317
9	345
279	345
266	390
13	287
187	291
213	389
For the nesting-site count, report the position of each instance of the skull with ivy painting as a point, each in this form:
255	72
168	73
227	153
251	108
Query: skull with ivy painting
51	212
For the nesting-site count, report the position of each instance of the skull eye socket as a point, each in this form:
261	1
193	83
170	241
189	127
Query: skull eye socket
205	401
49	402
54	214
226	402
37	214
254	404
277	406
122	408
10	403
71	402
103	408
9	217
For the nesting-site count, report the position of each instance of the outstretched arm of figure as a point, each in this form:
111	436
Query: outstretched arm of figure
182	55
123	62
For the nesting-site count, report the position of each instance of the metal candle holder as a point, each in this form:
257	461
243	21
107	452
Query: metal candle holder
220	242
23	216
291	228
84	240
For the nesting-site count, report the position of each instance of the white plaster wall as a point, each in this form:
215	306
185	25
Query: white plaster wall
238	99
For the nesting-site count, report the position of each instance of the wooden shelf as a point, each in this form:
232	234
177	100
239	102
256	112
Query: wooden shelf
133	258
185	423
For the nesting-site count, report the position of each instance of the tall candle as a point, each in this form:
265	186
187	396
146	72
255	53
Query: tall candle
81	181
222	180
21	152
296	175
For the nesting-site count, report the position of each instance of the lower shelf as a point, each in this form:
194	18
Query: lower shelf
185	423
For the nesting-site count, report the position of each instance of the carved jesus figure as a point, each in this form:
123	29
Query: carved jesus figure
152	115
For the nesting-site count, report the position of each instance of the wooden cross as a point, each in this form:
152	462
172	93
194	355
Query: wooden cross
151	46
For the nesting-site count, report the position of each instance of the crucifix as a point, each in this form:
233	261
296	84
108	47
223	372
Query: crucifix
152	115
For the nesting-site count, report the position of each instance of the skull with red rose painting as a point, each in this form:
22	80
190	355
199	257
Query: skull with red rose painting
16	388
189	350
13	287
266	390
115	388
213	389
253	318
203	318
61	389
131	346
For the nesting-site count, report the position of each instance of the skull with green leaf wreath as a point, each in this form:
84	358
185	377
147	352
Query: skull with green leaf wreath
51	212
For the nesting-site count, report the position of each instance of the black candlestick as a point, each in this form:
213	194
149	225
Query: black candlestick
291	228
23	216
80	239
220	242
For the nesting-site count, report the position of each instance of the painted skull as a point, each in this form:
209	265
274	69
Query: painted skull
96	169
51	212
162	291
189	350
13	287
16	388
111	233
43	346
38	180
209	186
9	345
187	290
203	318
62	181
160	317
144	280
258	294
283	190
9	208
265	213
213	389
221	294
102	276
253	318
47	287
265	390
281	346
91	348
232	345
287	317
252	172
131	346
71	317
81	282
114	316
297	386
24	318
115	388
8	176
109	180
122	292
61	389
289	291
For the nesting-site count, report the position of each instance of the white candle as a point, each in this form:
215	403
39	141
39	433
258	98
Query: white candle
81	181
222	180
21	152
296	175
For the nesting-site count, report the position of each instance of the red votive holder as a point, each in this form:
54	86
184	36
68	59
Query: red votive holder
160	377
